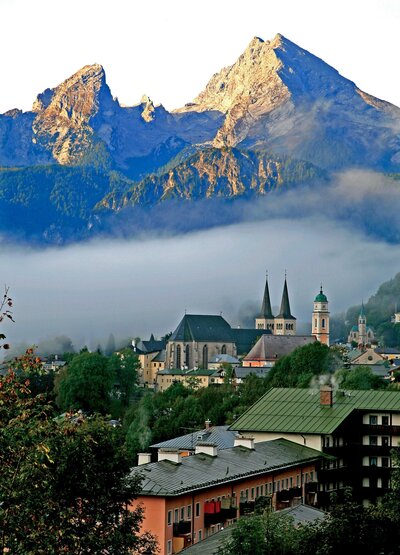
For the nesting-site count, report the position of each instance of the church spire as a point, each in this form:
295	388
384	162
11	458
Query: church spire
285	305
266	310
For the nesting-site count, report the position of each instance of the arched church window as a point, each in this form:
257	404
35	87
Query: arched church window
178	356
223	350
323	322
205	356
187	355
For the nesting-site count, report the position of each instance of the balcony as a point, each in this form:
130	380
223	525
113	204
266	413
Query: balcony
181	528
246	507
378	429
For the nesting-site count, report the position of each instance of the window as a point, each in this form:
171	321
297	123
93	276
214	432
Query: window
189	512
205	356
178	356
373	419
257	491
187	356
385	420
252	493
373	461
223	350
373	440
200	536
169	518
385	441
385	462
278	486
182	513
385	482
323	322
312	476
176	515
291	481
169	547
197	509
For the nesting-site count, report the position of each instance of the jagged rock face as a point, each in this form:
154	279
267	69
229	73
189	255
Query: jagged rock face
278	96
248	89
64	114
214	172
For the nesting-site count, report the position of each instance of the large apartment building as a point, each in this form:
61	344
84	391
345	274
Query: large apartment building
188	498
359	428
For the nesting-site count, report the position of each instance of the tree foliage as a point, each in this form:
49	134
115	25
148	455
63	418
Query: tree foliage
179	410
359	377
86	384
302	365
124	366
65	485
5	314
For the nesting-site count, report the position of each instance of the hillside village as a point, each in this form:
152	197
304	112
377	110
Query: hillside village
287	449
334	438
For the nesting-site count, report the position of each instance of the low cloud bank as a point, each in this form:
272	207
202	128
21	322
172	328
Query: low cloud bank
134	288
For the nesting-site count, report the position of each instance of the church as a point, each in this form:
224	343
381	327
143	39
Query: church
285	323
361	334
199	338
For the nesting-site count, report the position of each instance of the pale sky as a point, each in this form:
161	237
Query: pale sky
169	49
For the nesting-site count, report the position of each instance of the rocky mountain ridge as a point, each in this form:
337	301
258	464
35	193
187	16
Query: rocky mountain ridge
278	117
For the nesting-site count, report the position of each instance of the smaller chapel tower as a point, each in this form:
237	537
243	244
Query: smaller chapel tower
320	318
362	327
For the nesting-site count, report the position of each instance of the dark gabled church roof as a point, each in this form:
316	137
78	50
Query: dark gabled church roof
246	338
266	310
151	346
195	327
285	305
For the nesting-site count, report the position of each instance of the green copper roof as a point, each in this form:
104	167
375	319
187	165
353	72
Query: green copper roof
292	410
321	298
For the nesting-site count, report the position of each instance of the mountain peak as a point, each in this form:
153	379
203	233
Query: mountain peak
148	112
63	113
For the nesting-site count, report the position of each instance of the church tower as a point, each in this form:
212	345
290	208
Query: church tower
362	327
265	321
320	318
285	323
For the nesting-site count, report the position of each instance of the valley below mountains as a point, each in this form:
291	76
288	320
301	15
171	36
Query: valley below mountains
80	165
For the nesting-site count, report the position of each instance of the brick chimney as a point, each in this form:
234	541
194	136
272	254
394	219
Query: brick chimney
244	441
326	395
144	458
206	448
